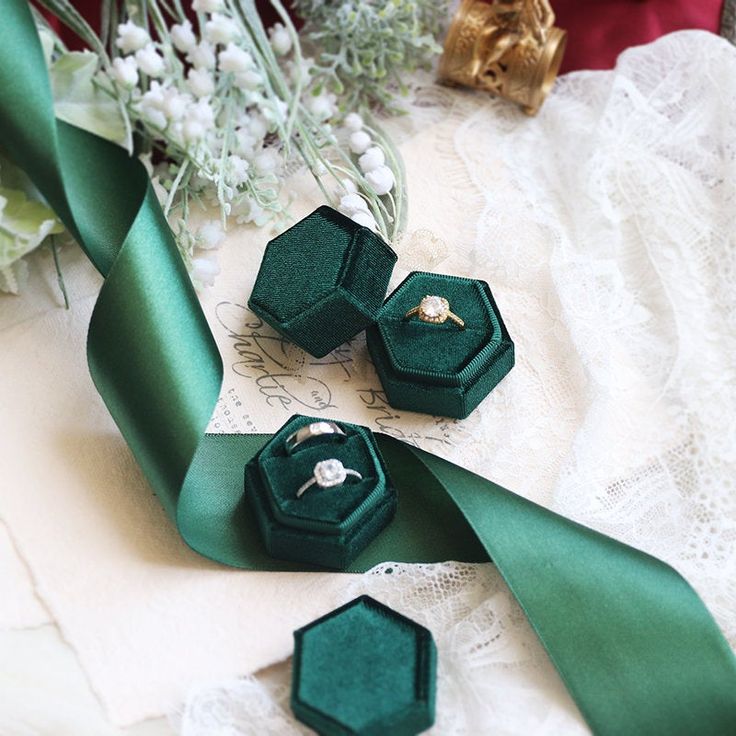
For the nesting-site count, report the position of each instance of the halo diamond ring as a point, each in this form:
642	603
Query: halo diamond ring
435	310
328	474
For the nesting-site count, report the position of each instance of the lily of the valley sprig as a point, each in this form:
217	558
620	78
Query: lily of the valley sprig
222	111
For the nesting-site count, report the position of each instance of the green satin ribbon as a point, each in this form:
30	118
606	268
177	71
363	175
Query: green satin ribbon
636	647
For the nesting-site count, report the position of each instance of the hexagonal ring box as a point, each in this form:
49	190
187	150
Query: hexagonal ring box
364	670
322	281
324	501
440	345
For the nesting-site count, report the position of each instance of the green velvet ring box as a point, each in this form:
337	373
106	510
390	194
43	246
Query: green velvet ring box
439	368
364	670
322	281
328	527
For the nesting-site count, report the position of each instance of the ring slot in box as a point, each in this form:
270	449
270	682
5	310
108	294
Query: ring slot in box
440	369
328	527
322	281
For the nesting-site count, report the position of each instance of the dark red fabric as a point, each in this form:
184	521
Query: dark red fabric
90	9
599	30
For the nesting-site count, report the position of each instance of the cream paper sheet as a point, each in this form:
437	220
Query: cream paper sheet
146	615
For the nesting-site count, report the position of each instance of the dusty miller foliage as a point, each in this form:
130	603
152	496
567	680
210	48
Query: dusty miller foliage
365	49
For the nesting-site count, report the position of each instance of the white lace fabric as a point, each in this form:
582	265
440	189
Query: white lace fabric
606	227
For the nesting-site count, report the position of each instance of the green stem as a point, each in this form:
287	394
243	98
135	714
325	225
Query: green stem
175	187
59	275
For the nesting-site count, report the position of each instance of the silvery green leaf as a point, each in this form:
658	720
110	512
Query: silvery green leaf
24	224
47	44
14	277
78	101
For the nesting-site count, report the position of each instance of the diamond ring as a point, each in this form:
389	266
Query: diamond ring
328	474
435	310
309	431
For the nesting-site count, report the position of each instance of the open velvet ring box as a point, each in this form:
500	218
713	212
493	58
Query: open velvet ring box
440	368
326	526
324	280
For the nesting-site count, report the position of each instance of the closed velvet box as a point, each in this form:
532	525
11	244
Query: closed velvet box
364	670
439	368
328	527
322	281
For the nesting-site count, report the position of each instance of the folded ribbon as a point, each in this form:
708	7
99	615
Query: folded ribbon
636	647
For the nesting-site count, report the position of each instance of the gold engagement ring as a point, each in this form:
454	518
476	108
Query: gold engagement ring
435	310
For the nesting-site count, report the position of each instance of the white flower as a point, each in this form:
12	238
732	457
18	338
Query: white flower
200	82
150	61
249	81
205	270
155	95
221	29
267	161
381	180
151	105
207	6
210	235
131	37
297	71
365	219
238	169
200	119
175	104
319	169
182	36
278	110
203	112
234	59
153	115
371	159
248	210
202	56
359	141
280	39
125	71
258	127
323	106
348	186
353	122
246	142
352	203
193	131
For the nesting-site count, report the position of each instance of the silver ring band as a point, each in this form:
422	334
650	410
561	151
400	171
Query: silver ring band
309	431
328	474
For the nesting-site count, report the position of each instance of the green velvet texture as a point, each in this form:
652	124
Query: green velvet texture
322	281
326	527
364	670
439	368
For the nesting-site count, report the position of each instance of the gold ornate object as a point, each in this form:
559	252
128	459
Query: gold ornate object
510	48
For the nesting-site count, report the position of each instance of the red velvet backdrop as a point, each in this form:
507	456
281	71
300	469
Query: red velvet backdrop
598	29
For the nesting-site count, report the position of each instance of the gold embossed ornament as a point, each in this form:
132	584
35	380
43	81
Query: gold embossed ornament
509	48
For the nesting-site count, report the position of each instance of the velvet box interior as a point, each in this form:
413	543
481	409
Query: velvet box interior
322	281
328	527
364	670
440	369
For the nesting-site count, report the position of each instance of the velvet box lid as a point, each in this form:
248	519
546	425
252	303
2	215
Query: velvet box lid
322	281
364	670
327	527
439	368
